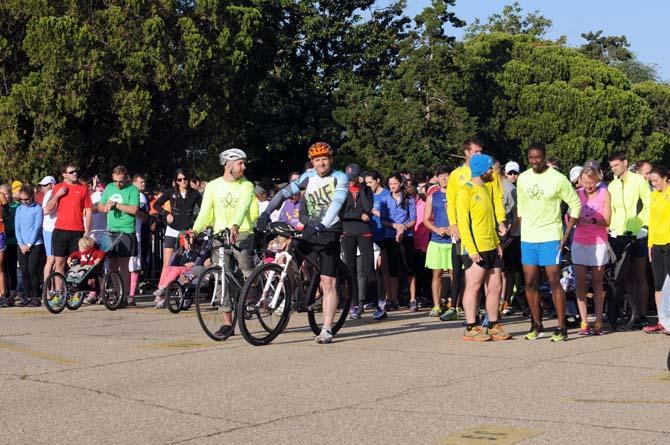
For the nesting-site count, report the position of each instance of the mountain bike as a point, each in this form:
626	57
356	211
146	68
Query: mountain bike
289	283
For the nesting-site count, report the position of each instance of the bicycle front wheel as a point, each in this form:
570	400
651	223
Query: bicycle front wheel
265	305
112	291
215	296
173	297
55	293
344	287
622	312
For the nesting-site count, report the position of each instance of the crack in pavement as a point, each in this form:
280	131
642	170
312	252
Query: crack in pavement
132	399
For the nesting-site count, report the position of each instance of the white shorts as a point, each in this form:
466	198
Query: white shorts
592	255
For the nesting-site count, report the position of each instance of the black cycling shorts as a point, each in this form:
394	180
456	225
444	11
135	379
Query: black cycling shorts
125	247
490	260
65	242
323	249
170	242
660	265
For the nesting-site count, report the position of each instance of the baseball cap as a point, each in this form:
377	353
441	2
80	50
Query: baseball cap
480	164
512	166
575	172
353	171
47	180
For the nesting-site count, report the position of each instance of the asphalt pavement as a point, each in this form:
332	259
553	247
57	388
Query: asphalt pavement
141	375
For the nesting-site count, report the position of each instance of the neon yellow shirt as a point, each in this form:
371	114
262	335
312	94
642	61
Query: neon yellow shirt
476	218
539	204
458	178
626	195
225	204
659	218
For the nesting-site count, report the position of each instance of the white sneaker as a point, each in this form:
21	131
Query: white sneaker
324	337
160	303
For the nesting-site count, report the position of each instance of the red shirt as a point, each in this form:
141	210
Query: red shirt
71	206
87	257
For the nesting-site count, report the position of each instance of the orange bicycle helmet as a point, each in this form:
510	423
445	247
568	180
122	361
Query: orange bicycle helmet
319	149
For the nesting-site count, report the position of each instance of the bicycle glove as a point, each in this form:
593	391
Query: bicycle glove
311	230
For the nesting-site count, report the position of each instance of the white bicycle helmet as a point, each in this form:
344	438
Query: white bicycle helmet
232	154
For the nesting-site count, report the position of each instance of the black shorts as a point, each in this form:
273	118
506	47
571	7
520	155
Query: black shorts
125	245
490	260
323	249
660	265
169	242
391	252
65	242
512	255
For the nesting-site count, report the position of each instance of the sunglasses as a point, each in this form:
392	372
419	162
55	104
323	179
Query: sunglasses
25	200
182	179
72	172
513	173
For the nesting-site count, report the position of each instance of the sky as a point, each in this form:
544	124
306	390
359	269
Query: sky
644	22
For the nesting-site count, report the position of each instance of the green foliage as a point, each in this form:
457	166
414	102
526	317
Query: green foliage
605	49
511	21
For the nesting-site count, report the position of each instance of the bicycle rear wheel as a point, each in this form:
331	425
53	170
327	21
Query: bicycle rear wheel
213	298
261	319
112	291
55	293
173	297
344	287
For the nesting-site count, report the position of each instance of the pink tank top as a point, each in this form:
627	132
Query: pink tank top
593	208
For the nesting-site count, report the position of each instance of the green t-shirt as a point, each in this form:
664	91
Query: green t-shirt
118	221
539	204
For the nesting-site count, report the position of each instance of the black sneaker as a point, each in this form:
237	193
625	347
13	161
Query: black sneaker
224	331
34	302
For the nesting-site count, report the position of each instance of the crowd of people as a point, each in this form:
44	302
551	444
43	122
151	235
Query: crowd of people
483	235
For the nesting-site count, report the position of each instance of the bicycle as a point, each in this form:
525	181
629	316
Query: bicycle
58	292
289	283
218	287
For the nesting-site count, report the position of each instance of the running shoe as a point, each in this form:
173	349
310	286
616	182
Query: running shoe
130	301
159	303
11	300
584	329
54	301
370	306
436	311
34	302
654	328
22	301
559	335
507	309
158	293
536	331
413	306
224	331
460	312
476	334
380	314
75	299
597	329
3	301
324	337
91	299
449	315
391	306
497	333
354	314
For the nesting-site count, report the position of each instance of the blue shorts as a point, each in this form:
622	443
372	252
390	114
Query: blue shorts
541	254
3	242
46	235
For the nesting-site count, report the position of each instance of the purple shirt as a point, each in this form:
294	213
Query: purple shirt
290	213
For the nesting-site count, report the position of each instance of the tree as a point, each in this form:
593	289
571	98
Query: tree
511	21
606	49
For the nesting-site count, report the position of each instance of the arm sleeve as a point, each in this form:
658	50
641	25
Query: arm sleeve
368	200
87	200
158	205
134	198
452	191
206	214
38	218
339	197
463	220
571	198
17	227
245	201
497	194
411	206
290	190
645	196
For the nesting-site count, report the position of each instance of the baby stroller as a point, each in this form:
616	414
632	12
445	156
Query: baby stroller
179	294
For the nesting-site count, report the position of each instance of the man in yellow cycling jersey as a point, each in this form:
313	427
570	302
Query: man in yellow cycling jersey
229	203
457	179
482	254
631	198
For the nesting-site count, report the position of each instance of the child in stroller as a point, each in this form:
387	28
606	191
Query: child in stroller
186	263
86	264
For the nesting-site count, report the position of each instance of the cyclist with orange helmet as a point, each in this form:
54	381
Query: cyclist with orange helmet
321	211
